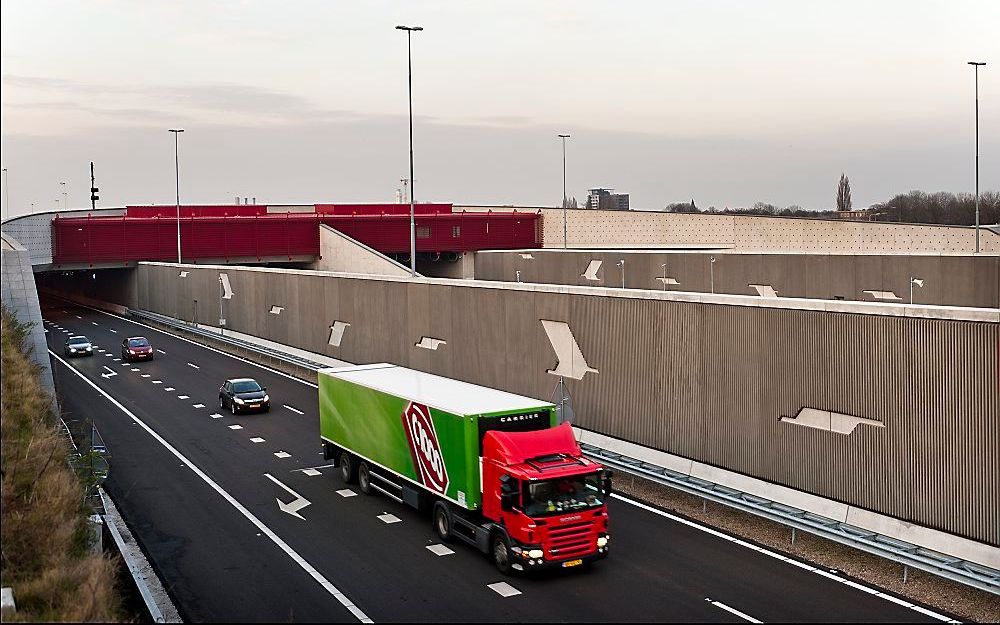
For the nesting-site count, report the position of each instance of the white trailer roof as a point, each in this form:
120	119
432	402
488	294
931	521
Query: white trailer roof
433	390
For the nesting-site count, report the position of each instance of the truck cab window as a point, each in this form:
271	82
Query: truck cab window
561	495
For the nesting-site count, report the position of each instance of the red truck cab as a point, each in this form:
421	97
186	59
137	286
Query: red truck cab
547	500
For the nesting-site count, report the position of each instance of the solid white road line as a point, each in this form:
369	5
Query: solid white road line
295	410
792	561
731	610
291	553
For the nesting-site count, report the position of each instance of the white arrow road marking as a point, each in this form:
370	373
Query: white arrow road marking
109	374
292	507
161	352
731	610
295	410
191	364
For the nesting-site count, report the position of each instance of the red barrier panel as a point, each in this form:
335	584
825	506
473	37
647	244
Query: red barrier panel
92	240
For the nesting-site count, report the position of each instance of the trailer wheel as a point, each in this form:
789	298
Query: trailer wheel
501	553
364	478
348	468
442	521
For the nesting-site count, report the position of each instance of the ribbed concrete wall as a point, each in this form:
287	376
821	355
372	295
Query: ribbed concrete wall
706	377
20	297
949	280
643	229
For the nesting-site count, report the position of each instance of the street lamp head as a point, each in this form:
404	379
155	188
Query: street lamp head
176	130
410	28
563	136
976	63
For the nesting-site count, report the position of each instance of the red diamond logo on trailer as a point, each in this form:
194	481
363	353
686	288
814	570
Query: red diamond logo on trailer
424	447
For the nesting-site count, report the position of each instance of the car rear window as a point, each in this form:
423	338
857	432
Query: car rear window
138	343
246	386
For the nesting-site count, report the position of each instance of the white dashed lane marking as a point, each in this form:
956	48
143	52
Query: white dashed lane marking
503	589
113	331
282	454
134	369
157	382
160	351
439	550
215	415
312	472
347	492
93	323
198	406
388	518
191	364
144	375
236	427
295	410
255	439
183	397
170	388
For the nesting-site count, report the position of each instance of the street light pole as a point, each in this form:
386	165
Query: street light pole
564	137
409	76
177	183
6	189
976	65
621	263
65	195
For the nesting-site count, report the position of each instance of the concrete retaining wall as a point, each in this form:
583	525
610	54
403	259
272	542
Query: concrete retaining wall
948	279
21	299
719	379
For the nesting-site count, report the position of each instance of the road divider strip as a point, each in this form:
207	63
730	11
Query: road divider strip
264	529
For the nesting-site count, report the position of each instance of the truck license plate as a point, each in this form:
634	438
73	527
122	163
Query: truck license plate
572	563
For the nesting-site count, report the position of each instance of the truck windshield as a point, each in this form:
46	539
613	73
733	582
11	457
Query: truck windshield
563	495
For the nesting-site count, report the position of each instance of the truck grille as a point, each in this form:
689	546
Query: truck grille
570	540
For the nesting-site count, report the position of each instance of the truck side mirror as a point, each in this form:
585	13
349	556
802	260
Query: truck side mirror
508	492
608	475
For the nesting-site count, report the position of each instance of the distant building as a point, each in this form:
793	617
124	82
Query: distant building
607	199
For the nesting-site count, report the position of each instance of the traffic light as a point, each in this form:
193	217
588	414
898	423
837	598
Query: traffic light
93	194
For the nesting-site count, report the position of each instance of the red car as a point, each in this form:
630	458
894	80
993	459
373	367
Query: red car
136	348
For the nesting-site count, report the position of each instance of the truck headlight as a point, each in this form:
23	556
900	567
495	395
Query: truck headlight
602	541
536	554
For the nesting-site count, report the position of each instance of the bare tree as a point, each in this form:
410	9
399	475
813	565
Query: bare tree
844	193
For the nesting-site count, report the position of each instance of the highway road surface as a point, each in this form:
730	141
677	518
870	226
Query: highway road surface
245	523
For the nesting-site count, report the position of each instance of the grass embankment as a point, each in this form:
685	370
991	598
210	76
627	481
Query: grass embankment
44	533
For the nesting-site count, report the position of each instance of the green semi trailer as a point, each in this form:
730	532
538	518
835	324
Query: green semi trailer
495	468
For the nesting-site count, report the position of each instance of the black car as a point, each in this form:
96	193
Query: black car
244	395
78	346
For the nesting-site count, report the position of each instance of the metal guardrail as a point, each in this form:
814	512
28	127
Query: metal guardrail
229	340
907	554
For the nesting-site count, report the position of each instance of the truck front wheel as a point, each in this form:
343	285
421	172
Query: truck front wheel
501	553
348	468
442	521
364	478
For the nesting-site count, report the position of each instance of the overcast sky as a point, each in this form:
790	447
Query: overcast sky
726	103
